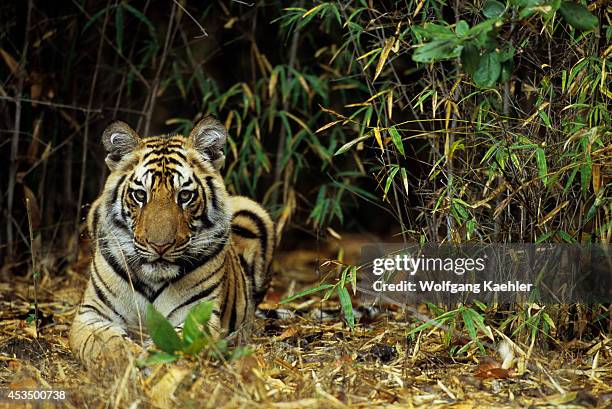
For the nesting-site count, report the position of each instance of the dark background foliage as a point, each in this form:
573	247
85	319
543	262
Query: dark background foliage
427	120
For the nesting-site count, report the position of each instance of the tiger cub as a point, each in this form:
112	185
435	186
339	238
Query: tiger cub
166	232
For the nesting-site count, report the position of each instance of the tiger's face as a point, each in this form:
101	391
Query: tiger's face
167	200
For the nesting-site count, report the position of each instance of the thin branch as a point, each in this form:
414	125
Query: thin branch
94	81
204	33
153	94
280	148
15	139
52	104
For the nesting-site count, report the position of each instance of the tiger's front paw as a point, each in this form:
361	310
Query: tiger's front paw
115	355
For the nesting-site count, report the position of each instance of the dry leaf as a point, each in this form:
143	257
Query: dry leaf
288	333
383	56
10	62
491	370
162	394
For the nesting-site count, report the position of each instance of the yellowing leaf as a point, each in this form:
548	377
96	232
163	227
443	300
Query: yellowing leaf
312	10
378	137
10	62
383	56
390	104
272	83
329	125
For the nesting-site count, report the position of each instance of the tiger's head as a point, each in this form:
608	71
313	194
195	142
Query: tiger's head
166	203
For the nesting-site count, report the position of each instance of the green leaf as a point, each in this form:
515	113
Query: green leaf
392	173
470	56
93	19
436	51
347	306
350	144
156	358
493	9
506	53
397	140
462	28
578	16
162	332
468	319
197	345
196	323
488	70
542	166
307	292
434	32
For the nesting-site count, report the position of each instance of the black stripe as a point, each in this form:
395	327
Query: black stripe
202	294
120	224
94	309
124	204
115	193
246	266
139	286
165	151
96	220
187	266
105	300
231	290
207	223
263	238
213	194
208	276
244	232
96	273
245	295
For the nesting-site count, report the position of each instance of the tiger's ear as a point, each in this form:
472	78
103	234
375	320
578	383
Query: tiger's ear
119	140
208	138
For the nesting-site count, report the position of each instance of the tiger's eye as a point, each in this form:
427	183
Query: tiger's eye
185	196
139	195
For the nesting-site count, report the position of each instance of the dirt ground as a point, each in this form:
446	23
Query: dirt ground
299	359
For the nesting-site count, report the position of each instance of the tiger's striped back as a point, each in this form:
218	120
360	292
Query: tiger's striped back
166	232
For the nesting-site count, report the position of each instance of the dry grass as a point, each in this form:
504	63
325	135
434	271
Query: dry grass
298	361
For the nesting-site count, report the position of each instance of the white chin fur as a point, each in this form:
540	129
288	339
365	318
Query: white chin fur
159	270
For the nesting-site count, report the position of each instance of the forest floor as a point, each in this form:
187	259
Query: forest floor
297	360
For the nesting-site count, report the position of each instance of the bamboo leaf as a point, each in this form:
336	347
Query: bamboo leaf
347	306
378	138
383	56
307	292
542	165
397	140
350	144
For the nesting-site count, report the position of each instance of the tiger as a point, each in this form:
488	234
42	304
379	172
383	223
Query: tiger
166	232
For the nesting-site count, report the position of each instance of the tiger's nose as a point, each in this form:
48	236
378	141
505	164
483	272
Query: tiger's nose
161	248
